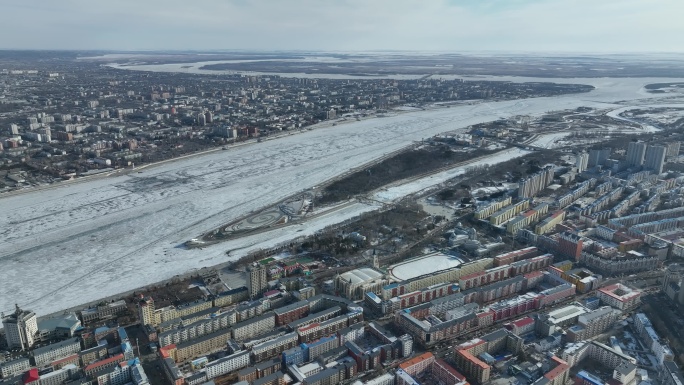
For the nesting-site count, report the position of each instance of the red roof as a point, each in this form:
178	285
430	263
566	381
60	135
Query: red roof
305	328
450	369
65	359
164	352
31	376
533	274
473	275
523	322
559	369
416	360
95	365
474	360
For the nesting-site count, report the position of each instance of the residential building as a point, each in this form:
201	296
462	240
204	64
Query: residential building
636	152
227	364
57	350
418	365
593	323
670	374
202	345
446	374
104	311
13	367
257	280
103	364
58	377
290	313
274	347
570	245
253	326
619	296
655	158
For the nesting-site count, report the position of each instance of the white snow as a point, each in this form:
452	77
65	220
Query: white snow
424	265
548	140
615	114
74	244
393	193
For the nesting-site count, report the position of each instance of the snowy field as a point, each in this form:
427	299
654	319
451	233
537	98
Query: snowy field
619	115
71	245
548	140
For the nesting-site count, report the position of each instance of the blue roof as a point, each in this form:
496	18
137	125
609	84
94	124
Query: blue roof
122	334
590	377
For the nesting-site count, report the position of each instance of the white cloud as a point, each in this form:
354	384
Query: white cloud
460	25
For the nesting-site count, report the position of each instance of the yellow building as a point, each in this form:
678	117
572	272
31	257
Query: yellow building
508	212
550	223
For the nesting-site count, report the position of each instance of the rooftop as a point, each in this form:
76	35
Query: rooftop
58	345
415	360
620	292
427	264
361	275
67	321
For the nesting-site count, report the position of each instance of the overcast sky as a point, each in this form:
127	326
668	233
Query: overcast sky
435	25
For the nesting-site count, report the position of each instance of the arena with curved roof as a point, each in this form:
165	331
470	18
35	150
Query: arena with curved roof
426	264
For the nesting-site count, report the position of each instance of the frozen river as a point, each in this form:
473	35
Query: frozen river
65	246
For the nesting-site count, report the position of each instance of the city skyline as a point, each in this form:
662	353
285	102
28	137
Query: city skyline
532	26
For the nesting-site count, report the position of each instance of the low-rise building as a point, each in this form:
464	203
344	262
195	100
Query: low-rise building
274	347
253	326
227	364
619	296
13	367
57	350
202	345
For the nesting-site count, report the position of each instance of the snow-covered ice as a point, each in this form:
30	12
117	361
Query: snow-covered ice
70	245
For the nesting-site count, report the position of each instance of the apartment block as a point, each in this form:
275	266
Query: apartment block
227	364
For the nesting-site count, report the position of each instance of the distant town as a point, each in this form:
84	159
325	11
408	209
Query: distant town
88	119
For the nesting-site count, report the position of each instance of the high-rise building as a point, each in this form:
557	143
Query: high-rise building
582	160
636	151
146	311
570	245
530	186
598	156
673	149
46	133
655	158
20	328
257	282
14	130
201	119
